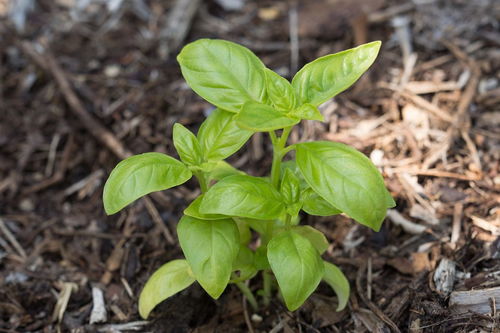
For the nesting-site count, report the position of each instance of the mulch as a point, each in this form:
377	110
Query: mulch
83	85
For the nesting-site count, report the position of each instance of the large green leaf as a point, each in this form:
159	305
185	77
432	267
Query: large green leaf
316	237
187	145
220	137
339	283
345	178
313	204
297	266
224	73
168	280
193	210
210	248
259	117
325	77
139	175
243	196
280	91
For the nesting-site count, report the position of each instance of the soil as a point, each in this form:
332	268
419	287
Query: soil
85	83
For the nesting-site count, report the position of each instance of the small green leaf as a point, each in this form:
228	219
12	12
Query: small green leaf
290	187
261	261
210	248
345	178
307	111
325	77
280	91
244	263
244	229
187	145
168	280
243	196
220	137
339	283
193	210
313	204
259	117
297	266
316	237
139	175
224	73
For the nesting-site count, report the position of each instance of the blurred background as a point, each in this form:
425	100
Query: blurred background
85	83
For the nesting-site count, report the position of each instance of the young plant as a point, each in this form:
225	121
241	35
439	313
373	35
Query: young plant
327	178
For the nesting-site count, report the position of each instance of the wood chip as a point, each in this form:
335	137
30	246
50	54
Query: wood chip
480	301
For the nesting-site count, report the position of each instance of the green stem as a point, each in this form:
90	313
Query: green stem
200	176
278	153
248	295
267	287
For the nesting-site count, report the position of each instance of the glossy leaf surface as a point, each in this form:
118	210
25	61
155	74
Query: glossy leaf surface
325	77
339	283
243	196
193	210
224	73
139	175
263	118
210	248
220	137
313	204
280	91
187	145
168	280
307	111
345	178
297	266
316	237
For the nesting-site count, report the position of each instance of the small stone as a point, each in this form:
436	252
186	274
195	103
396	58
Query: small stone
26	205
256	318
112	71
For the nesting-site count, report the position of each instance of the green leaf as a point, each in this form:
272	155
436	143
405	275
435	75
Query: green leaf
187	145
280	91
307	111
139	175
339	283
193	210
243	196
224	73
210	248
261	261
244	263
221	169
313	204
244	229
290	187
297	266
220	137
325	77
316	237
263	118
345	178
168	280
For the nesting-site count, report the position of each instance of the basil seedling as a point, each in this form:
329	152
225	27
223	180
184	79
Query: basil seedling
327	178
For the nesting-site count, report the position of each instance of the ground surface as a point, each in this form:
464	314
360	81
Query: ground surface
427	115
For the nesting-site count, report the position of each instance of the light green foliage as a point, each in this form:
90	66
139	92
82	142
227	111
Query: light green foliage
337	280
297	266
243	196
210	248
218	231
325	77
168	280
139	175
345	178
220	137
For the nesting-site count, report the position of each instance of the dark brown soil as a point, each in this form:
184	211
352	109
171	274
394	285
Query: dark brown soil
427	117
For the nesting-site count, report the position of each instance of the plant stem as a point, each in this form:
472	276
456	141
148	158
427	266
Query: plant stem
278	148
248	295
200	176
267	287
